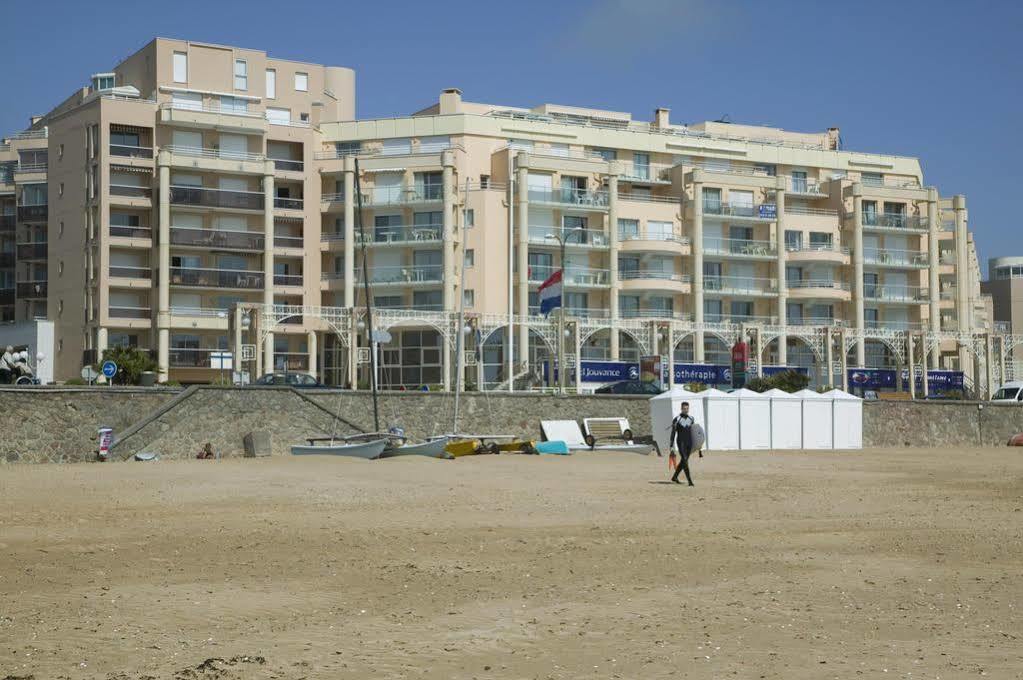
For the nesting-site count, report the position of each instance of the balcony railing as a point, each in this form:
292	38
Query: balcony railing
130	272
32	289
948	293
30	168
189	357
740	319
582	312
212	107
652	235
33	213
647	313
217	198
216	278
402	195
896	324
576	237
126	151
130	232
419	233
894	221
399	275
221	154
816	283
647	198
804	187
6	296
202	312
730	246
285	241
654	274
816	248
287	165
291	361
334	198
130	312
6	260
895	293
287	279
888	256
288	203
7	222
572	197
32	251
216	238
131	191
815	321
739	285
764	211
573	277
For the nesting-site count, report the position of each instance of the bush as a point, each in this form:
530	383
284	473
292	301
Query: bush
696	387
75	381
786	381
131	363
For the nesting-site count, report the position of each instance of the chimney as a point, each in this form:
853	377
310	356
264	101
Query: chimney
834	139
661	117
450	100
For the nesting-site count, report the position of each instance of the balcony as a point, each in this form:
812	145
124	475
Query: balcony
571	198
281	203
893	222
125	151
28	290
403	195
287	279
654	279
6	296
131	191
216	278
653	313
896	324
287	241
32	251
764	212
215	159
579	277
899	259
739	285
818	289
817	252
739	319
577	238
285	165
7	223
213	117
948	293
403	234
412	274
216	239
648	198
135	273
645	173
884	293
120	231
130	313
33	213
30	169
739	248
815	321
6	260
803	188
217	198
193	357
579	312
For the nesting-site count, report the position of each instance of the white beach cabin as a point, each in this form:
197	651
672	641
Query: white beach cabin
754	419
786	420
847	417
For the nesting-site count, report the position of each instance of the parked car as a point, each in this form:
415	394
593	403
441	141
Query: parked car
630	387
289	379
1009	393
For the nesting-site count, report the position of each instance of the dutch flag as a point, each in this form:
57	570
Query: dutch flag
550	293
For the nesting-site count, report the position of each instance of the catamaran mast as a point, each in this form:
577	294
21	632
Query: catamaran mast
459	334
369	305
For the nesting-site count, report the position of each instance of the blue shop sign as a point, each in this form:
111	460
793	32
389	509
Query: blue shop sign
768	210
706	374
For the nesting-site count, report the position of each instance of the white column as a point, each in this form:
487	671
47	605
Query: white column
924	377
783	287
450	266
268	259
857	255
522	169
313	353
612	219
696	243
349	255
911	364
933	269
965	320
236	339
163	269
671	355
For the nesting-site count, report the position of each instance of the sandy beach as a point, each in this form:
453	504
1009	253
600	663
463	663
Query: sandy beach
896	563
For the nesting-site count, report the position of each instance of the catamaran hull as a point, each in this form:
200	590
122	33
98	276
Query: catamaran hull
368	450
432	449
641	449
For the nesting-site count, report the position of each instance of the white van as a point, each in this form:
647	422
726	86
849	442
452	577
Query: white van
1010	392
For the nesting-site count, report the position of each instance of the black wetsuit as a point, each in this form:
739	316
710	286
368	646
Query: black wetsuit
682	435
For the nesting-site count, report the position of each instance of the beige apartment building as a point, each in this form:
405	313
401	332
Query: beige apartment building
202	202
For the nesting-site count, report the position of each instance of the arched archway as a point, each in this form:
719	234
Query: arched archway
799	353
596	346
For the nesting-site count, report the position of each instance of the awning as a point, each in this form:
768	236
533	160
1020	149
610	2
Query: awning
131	168
367	170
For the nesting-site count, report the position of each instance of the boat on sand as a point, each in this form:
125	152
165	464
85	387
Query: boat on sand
328	446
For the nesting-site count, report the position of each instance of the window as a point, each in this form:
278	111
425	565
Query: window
241	74
427	299
388	301
628	305
661	231
429	185
628	229
278	116
872	179
820	240
60	230
577	302
347	148
470	218
302	82
271	84
180	67
606	154
470	258
60	189
484	181
741	309
764	169
60	151
793	240
103	81
234	105
304	117
470	297
799	181
641	165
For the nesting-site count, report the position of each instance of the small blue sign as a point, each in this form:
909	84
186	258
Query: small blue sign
109	369
774	370
883	378
768	210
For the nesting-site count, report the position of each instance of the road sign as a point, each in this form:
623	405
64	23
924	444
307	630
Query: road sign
109	369
89	374
248	352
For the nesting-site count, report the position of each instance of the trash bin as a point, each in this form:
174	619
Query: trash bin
147	379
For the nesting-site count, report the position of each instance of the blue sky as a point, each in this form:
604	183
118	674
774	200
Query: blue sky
940	81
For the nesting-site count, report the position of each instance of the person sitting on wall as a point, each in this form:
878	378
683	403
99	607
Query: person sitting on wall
7	366
206	453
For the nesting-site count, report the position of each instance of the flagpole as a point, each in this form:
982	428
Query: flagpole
561	322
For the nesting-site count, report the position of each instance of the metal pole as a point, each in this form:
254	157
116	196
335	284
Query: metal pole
511	275
561	322
369	306
460	321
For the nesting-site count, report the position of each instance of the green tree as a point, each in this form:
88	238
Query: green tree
131	363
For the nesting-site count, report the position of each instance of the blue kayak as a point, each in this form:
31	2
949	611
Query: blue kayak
556	447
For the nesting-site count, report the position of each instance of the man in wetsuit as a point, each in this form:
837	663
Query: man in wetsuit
682	440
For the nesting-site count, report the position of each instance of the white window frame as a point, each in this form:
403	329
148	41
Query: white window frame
180	75
271	83
302	78
241	80
470	258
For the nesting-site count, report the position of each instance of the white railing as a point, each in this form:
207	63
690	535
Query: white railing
653	274
890	256
332	198
742	247
31	134
540	234
648	198
197	107
202	312
806	187
577	197
573	277
817	283
30	167
647	235
224	154
804	210
739	284
399	275
895	293
816	248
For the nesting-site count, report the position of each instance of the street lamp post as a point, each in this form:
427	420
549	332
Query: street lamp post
563	241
